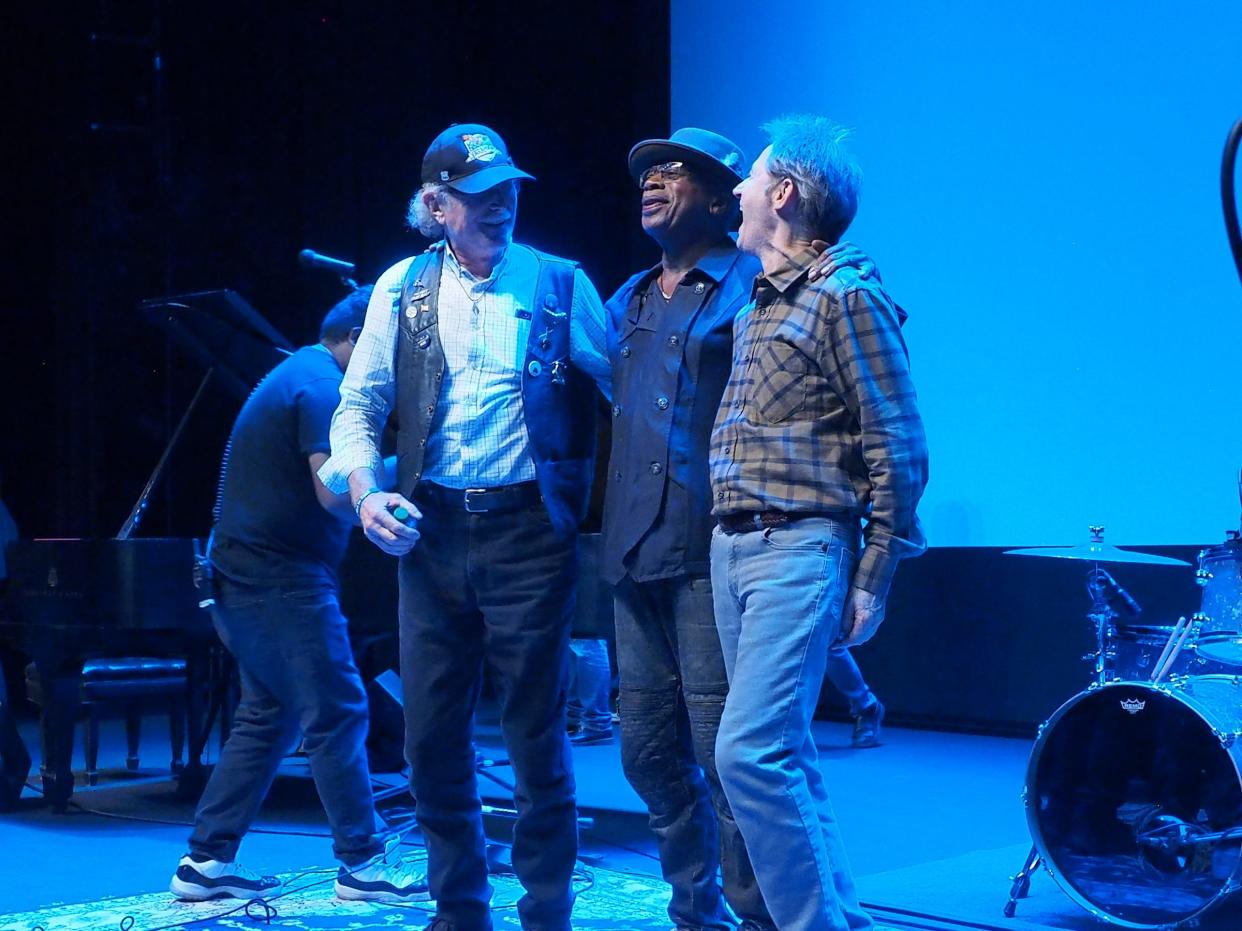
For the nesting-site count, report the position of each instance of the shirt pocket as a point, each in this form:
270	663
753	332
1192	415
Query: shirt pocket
779	374
498	348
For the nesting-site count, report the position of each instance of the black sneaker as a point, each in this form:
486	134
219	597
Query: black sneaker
867	726
198	881
387	878
591	735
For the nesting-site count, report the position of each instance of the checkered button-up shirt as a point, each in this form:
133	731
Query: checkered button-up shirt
480	437
820	412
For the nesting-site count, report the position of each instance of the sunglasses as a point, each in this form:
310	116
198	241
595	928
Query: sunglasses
670	171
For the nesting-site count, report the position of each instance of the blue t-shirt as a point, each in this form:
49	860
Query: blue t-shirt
270	528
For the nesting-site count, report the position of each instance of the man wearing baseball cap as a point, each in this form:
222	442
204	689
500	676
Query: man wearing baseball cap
488	352
670	343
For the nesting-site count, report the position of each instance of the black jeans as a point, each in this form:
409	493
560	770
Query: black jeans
496	589
673	689
297	674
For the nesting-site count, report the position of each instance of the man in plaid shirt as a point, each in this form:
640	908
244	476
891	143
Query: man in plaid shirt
818	430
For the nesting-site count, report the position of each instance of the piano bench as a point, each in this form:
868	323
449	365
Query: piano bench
128	684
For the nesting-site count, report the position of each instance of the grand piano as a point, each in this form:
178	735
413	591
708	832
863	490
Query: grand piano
69	599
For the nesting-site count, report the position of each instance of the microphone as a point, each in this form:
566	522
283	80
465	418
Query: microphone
1117	597
313	259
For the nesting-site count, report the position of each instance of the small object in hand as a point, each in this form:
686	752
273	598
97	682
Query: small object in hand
403	515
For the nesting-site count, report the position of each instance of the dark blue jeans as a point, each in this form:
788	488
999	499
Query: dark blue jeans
297	674
492	589
673	689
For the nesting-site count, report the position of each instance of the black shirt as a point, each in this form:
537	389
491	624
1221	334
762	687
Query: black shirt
270	528
671	360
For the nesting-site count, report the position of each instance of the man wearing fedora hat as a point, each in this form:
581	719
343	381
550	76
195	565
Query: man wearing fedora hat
488	352
670	343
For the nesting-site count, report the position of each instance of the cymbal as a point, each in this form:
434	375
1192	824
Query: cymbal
1096	552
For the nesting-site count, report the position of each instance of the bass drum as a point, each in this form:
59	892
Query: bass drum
1125	786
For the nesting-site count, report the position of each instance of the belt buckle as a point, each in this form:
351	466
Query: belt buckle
466	500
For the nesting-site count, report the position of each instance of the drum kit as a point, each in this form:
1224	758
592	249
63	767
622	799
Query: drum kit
1133	790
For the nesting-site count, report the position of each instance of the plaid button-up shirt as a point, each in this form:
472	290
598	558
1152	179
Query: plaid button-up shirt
820	412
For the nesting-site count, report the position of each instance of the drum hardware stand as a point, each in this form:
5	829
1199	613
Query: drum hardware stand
1022	882
1108	601
1103	620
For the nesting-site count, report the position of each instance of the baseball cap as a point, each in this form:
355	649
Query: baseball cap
470	158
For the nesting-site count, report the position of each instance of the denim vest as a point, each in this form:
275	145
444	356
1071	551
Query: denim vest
558	399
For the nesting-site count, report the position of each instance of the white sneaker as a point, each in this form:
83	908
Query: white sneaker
197	881
386	878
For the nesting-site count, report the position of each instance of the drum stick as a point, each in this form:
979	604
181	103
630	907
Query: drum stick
1168	663
1164	655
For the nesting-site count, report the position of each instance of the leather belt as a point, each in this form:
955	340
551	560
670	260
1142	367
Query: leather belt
744	521
481	500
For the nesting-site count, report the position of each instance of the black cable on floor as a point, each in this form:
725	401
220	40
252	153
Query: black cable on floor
264	902
257	902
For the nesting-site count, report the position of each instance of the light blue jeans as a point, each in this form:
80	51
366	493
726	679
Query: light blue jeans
590	684
847	678
779	595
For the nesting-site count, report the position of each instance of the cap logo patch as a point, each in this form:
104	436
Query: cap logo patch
731	160
479	148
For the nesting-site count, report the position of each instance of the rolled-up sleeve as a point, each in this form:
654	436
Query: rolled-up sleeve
368	390
588	336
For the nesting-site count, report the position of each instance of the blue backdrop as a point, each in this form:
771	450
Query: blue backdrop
1041	192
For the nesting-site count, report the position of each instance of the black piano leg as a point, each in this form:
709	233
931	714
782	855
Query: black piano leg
61	684
176	734
199	713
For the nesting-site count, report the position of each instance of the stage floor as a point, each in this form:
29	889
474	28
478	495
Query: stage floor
933	822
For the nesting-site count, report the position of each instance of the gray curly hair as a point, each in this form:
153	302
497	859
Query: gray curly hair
810	151
418	215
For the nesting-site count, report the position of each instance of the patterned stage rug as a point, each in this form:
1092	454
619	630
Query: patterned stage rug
613	901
